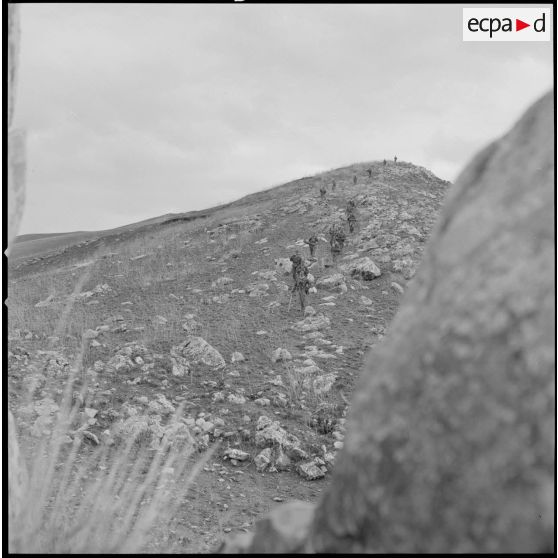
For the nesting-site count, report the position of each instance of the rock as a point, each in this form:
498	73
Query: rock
262	402
180	366
364	300
284	266
237	357
312	323
281	355
443	419
236	399
90	334
261	332
238	455
330	281
405	266
309	470
257	289
222	281
159	320
270	432
363	268
309	311
263	459
191	326
282	531
197	350
321	384
397	287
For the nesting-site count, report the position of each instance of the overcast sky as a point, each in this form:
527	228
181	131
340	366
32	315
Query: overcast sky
136	110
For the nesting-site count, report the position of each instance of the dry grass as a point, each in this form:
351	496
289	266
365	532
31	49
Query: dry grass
77	500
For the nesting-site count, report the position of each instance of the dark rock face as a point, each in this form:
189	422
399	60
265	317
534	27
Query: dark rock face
450	444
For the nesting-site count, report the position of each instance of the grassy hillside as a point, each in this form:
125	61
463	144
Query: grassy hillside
144	289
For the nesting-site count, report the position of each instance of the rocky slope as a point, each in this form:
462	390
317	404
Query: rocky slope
196	314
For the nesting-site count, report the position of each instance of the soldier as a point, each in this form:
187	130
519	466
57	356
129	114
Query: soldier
351	206
336	240
369	171
312	243
395	159
385	162
300	277
333	186
352	220
354	179
322	192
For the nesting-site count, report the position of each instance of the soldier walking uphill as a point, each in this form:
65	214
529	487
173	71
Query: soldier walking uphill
355	179
333	186
300	277
322	192
351	218
336	240
395	159
312	243
369	171
350	211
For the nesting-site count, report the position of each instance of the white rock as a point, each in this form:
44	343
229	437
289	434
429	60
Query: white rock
237	357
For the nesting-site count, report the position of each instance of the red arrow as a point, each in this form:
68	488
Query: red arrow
519	25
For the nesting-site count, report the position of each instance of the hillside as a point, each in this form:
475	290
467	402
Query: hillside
149	291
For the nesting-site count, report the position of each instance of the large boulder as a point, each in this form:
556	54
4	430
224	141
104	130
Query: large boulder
362	268
451	436
330	281
197	350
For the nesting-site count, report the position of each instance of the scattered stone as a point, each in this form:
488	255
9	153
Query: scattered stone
330	281
263	460
364	268
309	470
90	334
257	289
312	323
270	432
281	355
237	357
237	399
284	266
159	320
365	300
221	282
236	454
198	350
262	402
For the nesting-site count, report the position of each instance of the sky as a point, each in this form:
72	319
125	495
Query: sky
138	110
